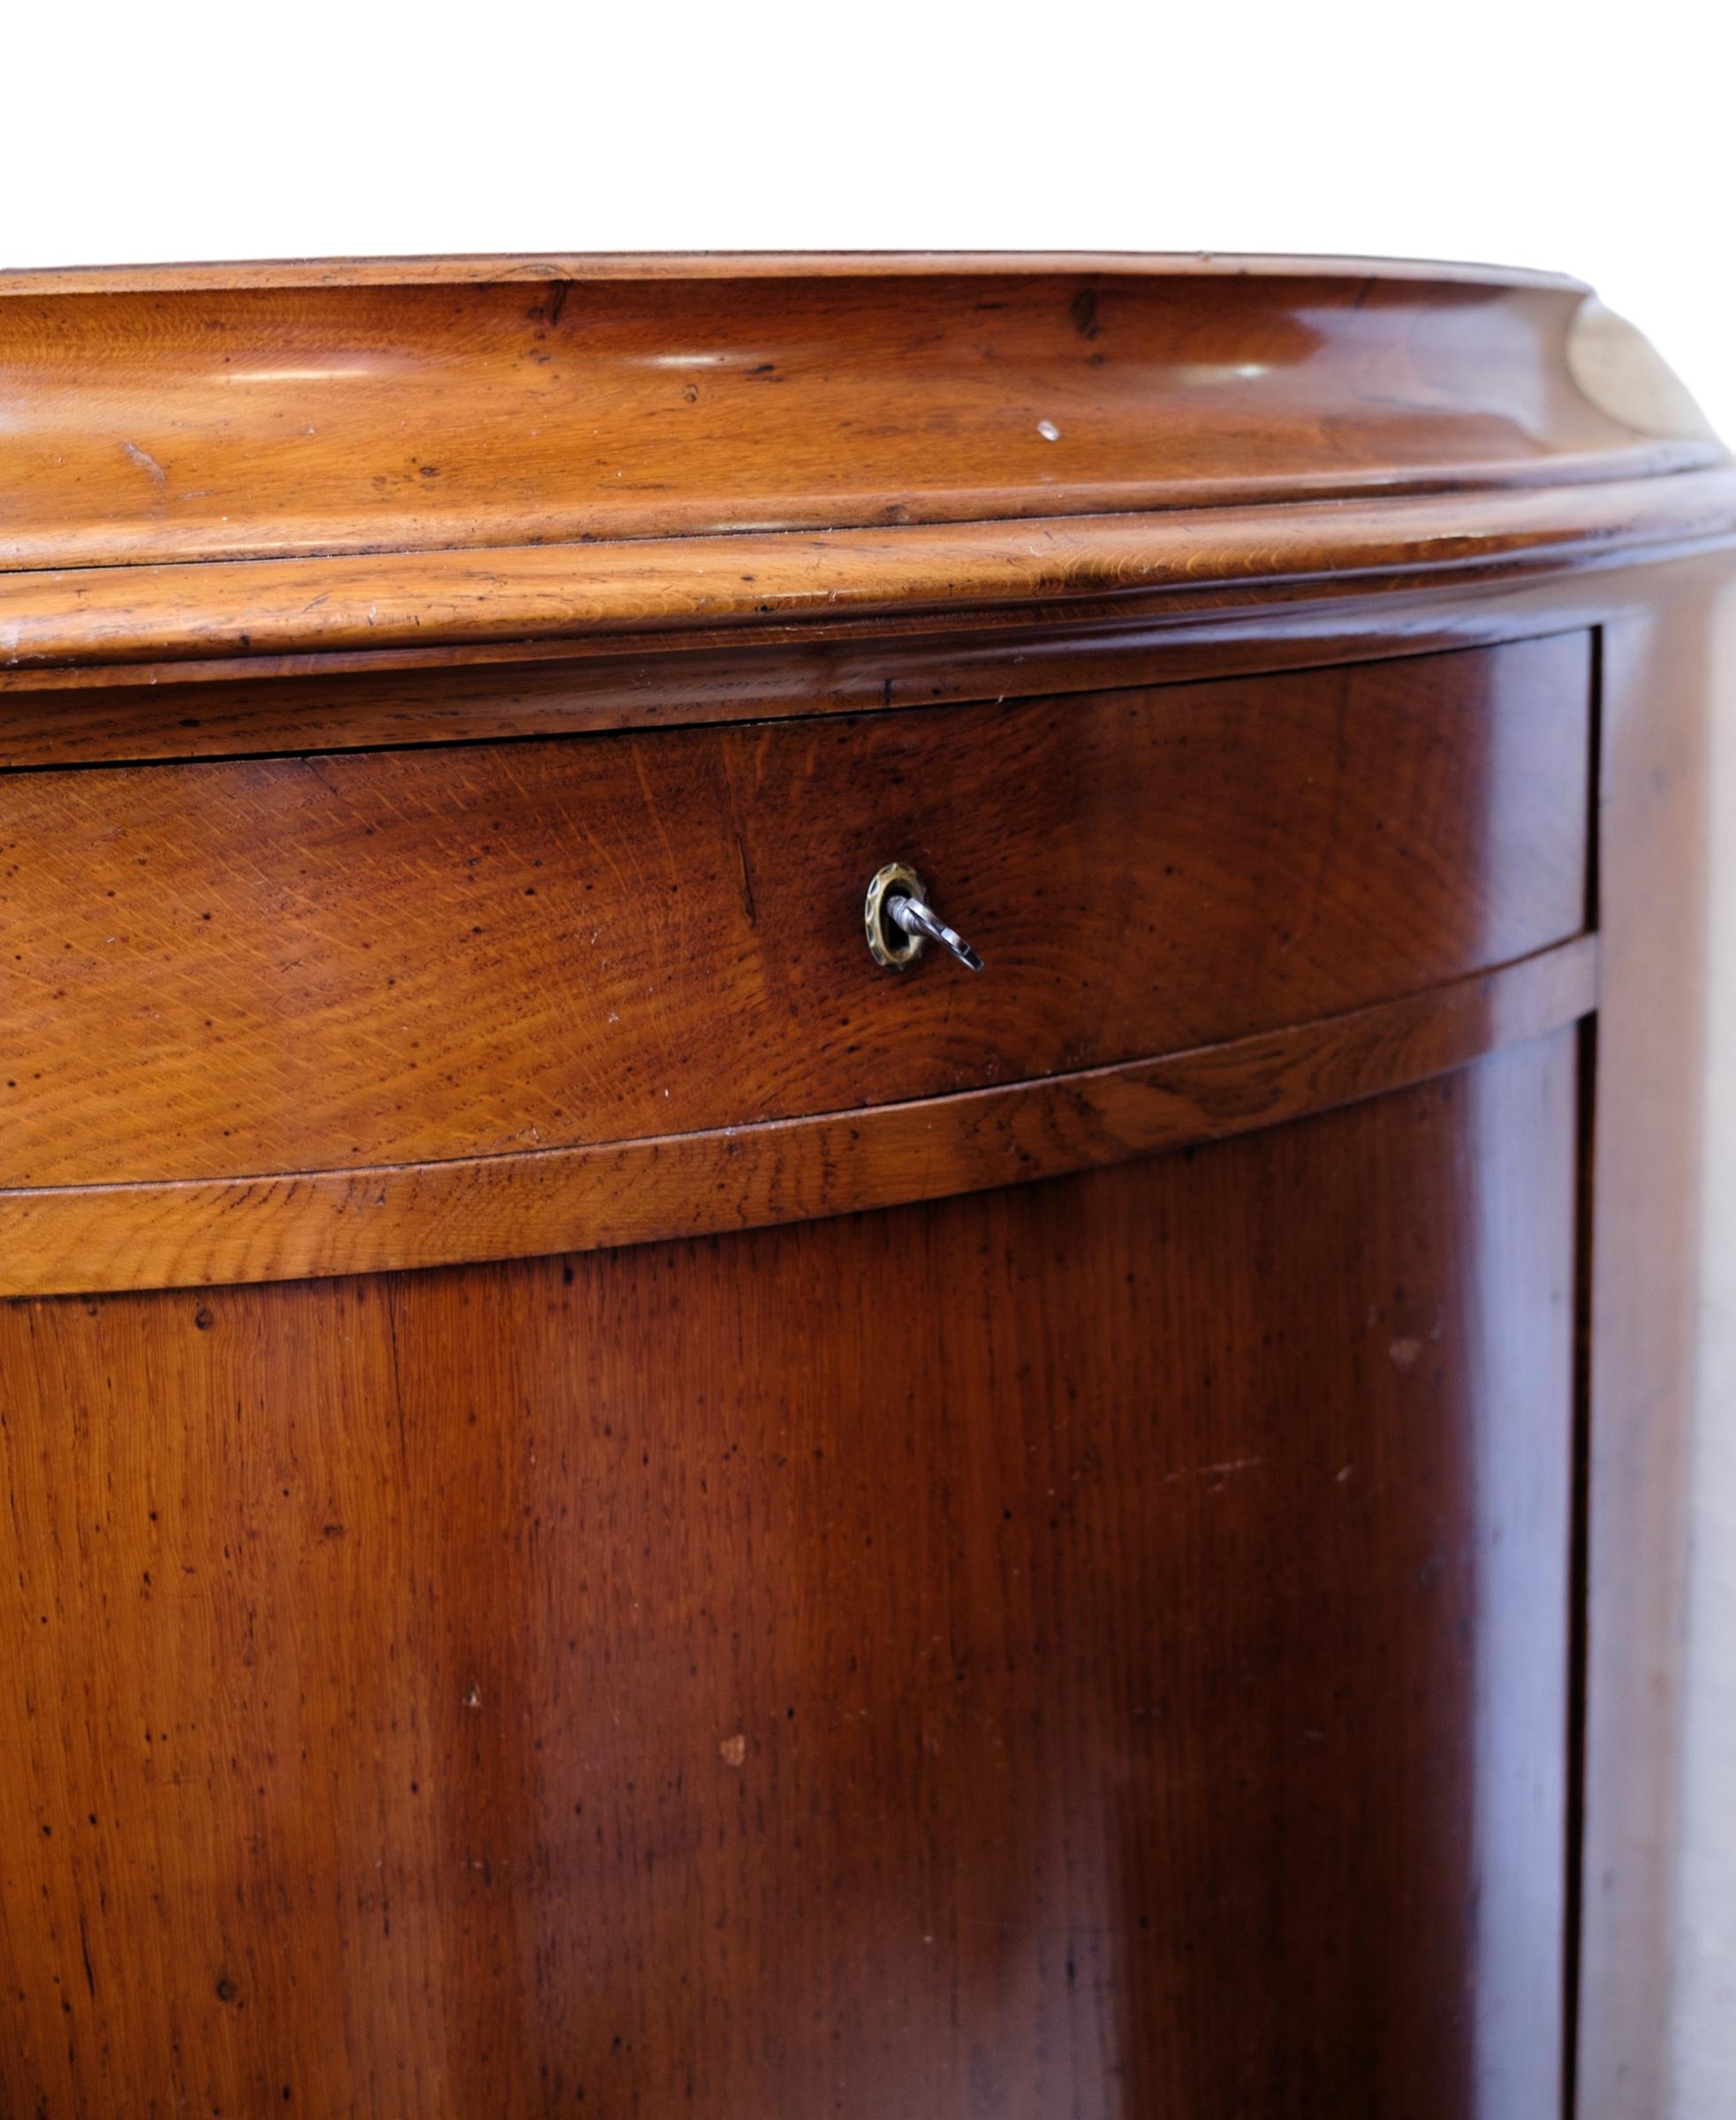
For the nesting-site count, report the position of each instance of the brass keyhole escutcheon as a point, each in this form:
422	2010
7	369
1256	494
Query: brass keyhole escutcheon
901	923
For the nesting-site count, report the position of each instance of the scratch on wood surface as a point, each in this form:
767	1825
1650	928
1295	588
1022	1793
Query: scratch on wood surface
1214	1471
147	462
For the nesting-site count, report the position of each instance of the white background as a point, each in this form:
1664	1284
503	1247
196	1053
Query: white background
1593	139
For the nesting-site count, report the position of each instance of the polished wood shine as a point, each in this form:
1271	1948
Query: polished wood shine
405	957
1119	565
458	459
291	704
259	421
586	1686
185	1232
610	1509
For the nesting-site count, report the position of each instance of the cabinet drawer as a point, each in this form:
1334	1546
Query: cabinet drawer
277	965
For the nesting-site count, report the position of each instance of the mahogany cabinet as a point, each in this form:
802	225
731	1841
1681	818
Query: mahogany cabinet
632	1490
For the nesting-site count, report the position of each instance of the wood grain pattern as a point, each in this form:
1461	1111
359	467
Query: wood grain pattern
188	1233
1136	1686
297	965
388	698
256	421
1129	563
1047	1628
455	456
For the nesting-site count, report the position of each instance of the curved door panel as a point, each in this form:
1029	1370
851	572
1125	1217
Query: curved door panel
1096	1648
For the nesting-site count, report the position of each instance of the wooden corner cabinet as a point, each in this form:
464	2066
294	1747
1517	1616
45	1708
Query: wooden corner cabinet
632	1489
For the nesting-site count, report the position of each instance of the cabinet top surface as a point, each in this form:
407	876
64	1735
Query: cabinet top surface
557	443
471	269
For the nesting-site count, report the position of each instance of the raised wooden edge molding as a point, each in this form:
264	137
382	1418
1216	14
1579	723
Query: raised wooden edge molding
488	448
176	1234
483	267
375	601
129	713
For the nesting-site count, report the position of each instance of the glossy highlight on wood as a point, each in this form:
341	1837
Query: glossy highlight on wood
587	1677
222	422
298	964
608	1508
405	459
185	1232
1125	565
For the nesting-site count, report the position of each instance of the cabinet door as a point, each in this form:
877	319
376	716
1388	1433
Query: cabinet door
1093	1647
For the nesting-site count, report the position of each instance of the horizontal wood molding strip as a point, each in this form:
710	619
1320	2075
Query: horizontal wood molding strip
225	707
380	601
297	1226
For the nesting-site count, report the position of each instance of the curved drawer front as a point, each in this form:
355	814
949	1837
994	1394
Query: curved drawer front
272	966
